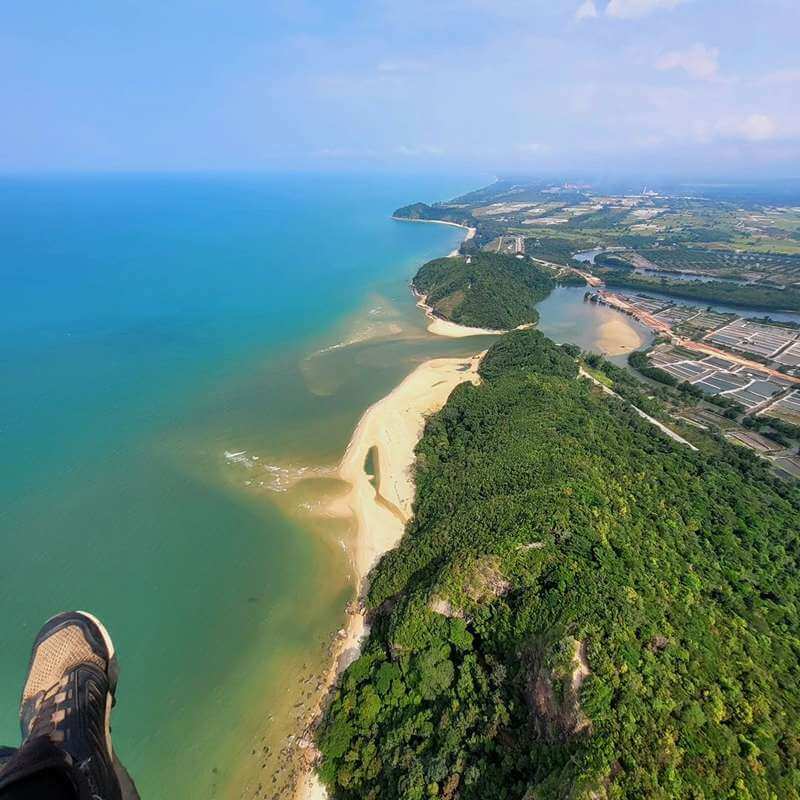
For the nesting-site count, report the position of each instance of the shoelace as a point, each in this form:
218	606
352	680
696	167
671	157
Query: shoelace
49	714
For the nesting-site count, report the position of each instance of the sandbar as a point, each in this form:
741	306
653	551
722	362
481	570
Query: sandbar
390	429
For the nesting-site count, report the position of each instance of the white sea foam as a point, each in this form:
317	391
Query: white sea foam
275	477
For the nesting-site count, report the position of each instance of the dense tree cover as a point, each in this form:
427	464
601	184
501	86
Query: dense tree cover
486	229
623	382
604	218
519	190
610	261
779	430
732	408
787	428
437	212
719	291
567	278
525	351
729	262
485	290
552	523
553	248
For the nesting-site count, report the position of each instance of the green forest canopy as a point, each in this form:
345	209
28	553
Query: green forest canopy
752	295
553	524
484	290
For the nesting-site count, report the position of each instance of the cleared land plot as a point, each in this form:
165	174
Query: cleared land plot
719	363
752	440
787	408
707	417
687	371
789	464
659	359
754	337
676	314
766	388
649	304
709	320
722	382
670	354
790	357
747	397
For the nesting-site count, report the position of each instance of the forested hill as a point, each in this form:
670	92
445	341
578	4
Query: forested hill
580	608
484	290
436	213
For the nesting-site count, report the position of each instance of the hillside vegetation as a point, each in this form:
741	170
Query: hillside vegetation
484	290
754	296
580	608
436	213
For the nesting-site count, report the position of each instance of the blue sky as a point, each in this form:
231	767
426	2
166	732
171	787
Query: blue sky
691	86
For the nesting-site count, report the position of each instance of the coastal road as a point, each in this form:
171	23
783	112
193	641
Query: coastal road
660	425
587	276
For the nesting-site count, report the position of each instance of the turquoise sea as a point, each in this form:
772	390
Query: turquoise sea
151	329
148	324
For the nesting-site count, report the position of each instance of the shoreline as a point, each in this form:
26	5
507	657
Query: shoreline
470	231
381	505
437	325
444	327
388	430
470	234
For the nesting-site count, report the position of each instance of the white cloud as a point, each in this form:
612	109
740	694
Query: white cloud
754	127
587	10
632	9
757	128
698	61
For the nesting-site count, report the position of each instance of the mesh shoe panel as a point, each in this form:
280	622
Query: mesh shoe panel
59	653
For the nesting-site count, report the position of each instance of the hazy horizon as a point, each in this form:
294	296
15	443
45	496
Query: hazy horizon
676	88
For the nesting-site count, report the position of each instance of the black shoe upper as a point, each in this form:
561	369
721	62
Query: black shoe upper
67	702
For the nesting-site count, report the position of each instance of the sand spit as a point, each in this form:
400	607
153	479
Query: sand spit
390	429
618	336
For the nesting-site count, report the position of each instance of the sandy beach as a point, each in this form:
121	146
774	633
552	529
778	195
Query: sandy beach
470	231
443	327
618	336
390	429
470	234
437	325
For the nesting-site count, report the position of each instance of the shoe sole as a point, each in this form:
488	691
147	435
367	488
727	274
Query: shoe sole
103	632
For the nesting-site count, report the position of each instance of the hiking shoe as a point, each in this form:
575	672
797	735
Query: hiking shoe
68	697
